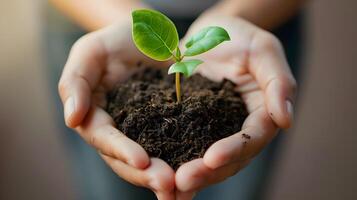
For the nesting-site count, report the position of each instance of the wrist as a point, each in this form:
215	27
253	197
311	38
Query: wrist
119	13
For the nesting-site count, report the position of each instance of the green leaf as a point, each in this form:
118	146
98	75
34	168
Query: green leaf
154	34
205	40
186	67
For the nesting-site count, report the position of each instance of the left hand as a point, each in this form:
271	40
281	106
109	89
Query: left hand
255	61
97	62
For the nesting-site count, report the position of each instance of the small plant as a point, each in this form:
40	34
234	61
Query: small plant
156	36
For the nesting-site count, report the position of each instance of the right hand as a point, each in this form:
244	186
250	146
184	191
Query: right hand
97	62
254	59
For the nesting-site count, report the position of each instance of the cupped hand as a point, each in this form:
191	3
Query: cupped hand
255	61
96	63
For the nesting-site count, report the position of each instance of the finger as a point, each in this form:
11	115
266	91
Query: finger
80	76
158	177
195	175
161	179
130	174
257	131
97	129
268	65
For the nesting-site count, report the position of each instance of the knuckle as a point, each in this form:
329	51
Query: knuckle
265	41
62	87
79	44
83	42
269	41
93	140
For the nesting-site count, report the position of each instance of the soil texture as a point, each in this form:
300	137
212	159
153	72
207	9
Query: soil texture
144	108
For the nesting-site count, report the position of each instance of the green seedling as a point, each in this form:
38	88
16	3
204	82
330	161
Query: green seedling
155	35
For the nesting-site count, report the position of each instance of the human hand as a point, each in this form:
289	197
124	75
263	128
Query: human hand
96	63
253	59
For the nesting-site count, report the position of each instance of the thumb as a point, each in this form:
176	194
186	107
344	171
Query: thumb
80	76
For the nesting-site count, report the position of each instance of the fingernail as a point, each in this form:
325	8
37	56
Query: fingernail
68	108
290	109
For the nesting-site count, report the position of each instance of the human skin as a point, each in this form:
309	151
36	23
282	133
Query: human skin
95	14
254	59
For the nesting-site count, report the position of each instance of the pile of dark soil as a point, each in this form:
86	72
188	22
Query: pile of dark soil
145	109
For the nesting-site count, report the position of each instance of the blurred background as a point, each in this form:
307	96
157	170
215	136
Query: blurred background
318	160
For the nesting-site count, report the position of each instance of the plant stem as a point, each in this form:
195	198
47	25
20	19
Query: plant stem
178	87
178	58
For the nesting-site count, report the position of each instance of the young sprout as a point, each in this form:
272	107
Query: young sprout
156	36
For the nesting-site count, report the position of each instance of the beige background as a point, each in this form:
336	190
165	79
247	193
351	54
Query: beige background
318	161
32	163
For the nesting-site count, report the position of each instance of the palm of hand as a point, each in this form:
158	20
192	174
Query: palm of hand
96	63
226	157
218	64
104	64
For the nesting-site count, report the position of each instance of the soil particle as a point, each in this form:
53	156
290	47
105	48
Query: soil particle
145	109
246	136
